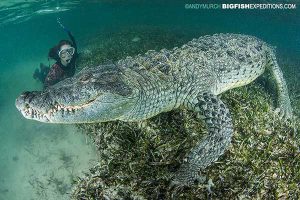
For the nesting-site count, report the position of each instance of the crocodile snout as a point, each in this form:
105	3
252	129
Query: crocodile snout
24	100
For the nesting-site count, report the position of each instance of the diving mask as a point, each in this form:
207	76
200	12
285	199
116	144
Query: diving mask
66	51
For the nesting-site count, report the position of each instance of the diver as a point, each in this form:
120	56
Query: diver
65	55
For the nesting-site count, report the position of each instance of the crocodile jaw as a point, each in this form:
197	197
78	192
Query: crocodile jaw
33	105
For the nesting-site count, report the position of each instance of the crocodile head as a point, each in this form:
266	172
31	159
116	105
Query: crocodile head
93	95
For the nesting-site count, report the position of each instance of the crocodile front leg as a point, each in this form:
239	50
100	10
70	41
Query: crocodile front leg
219	125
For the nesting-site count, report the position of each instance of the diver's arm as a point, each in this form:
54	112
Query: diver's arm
53	76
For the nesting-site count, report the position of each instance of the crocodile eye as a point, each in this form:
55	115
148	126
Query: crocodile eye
85	78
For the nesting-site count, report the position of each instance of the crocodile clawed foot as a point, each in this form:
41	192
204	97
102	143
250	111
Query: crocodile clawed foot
285	113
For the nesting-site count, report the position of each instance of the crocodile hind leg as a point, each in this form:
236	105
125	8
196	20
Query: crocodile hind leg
284	102
219	125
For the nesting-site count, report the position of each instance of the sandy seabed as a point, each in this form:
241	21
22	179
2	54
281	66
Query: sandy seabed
37	160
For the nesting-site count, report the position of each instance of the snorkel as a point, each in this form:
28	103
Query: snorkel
66	51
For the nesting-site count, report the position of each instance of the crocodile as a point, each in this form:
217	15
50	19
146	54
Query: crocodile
140	87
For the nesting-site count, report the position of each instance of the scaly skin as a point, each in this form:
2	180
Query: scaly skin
140	87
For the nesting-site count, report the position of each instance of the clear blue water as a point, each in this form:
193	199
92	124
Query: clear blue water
32	153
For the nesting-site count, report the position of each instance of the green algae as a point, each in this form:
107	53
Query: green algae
138	159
